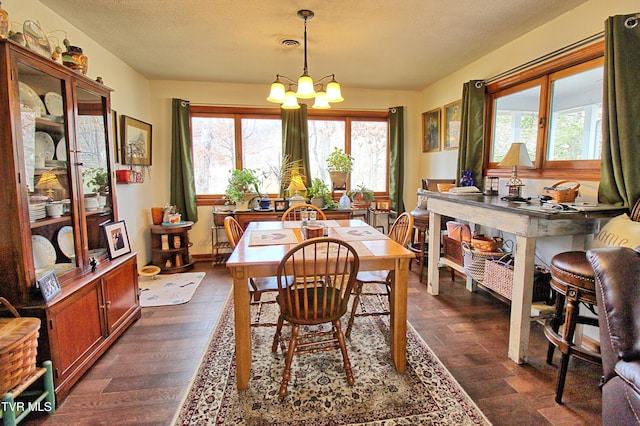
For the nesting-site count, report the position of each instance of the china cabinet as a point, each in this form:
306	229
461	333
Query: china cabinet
58	192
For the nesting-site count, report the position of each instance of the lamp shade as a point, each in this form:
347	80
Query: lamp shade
296	184
516	156
277	93
333	92
49	181
290	101
321	101
305	87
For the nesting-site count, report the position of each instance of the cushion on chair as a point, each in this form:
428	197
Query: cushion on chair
620	231
573	268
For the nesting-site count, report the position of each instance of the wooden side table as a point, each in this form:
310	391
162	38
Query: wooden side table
170	247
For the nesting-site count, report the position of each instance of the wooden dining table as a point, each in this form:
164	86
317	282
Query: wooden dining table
264	244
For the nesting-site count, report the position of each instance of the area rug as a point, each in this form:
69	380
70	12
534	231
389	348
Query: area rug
171	289
426	394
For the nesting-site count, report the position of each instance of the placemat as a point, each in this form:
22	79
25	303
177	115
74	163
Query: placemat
272	237
298	223
359	233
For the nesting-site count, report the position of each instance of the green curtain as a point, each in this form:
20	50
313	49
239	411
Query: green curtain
620	164
396	158
471	149
295	141
182	181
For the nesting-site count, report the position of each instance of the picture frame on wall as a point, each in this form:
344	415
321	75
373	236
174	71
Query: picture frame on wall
49	285
431	130
115	234
452	124
136	142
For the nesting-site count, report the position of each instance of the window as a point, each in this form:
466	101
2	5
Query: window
556	110
226	138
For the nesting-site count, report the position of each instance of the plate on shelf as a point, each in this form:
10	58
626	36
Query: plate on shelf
36	39
44	146
53	101
174	224
258	209
61	150
30	99
65	241
44	253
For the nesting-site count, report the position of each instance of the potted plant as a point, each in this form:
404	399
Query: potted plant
320	194
339	165
362	196
97	179
242	187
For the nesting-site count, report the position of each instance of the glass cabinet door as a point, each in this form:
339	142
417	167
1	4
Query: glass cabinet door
93	158
48	180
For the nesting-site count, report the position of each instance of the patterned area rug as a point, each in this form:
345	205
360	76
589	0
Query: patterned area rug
426	394
171	289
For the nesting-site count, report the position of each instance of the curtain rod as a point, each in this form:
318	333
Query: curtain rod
548	56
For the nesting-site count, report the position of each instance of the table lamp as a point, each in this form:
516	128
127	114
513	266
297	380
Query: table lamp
516	156
49	182
295	186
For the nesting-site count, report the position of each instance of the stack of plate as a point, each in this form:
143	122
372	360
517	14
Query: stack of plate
37	211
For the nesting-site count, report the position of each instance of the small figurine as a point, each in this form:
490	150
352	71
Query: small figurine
94	264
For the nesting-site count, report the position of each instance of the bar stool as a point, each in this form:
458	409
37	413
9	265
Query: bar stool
573	279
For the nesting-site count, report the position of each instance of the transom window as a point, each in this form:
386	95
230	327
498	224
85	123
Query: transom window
226	138
556	110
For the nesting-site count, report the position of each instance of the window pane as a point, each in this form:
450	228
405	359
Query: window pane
213	153
369	150
324	135
262	148
516	120
576	117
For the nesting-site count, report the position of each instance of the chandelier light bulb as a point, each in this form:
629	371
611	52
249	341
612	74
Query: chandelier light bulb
277	93
290	100
321	100
305	87
333	92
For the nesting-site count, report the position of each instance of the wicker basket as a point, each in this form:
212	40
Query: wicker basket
474	260
562	194
18	348
498	276
482	243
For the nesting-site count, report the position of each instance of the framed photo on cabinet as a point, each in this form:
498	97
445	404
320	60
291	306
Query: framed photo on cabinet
135	142
117	239
49	285
452	120
431	130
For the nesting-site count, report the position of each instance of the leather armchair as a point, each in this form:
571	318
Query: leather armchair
617	273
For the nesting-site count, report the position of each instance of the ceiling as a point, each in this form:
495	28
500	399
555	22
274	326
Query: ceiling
376	44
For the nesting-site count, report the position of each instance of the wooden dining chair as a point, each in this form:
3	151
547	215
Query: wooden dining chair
315	280
400	232
257	286
293	213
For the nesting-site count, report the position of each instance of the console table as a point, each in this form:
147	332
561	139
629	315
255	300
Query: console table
527	223
245	217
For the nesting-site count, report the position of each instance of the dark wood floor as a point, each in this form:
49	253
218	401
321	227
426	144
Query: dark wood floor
143	377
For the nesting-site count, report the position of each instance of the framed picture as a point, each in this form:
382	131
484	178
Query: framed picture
117	239
280	205
135	142
452	120
431	130
49	285
383	205
114	133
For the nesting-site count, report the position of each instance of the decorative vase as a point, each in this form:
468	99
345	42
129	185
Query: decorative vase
467	178
264	203
75	59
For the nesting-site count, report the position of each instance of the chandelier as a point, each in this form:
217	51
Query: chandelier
306	87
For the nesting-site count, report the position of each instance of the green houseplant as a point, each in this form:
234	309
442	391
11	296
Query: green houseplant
320	194
361	195
242	187
339	165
